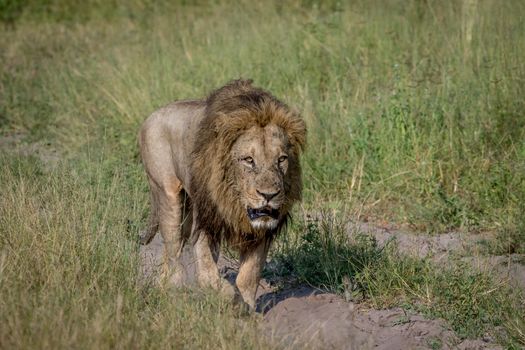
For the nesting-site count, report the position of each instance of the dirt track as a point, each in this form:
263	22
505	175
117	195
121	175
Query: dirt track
302	316
441	248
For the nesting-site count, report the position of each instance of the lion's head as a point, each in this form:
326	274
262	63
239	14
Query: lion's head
245	163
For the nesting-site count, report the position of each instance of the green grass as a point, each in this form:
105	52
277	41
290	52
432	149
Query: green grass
410	122
473	302
429	127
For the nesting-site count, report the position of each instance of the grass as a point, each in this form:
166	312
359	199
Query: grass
69	278
473	302
415	116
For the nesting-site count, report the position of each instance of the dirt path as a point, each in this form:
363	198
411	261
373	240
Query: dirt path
302	316
325	321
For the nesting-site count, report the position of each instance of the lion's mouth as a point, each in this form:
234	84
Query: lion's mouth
255	214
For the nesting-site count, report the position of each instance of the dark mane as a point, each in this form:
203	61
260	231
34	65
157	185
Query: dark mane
230	110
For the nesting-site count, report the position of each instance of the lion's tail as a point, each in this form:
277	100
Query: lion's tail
153	223
147	235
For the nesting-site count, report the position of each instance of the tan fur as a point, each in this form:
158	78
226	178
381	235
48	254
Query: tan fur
227	166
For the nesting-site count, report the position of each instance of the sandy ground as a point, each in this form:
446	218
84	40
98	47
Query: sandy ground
301	316
448	248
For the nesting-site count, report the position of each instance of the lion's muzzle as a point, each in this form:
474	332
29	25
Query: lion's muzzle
255	214
263	218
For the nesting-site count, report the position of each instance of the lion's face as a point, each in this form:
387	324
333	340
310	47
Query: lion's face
245	168
260	158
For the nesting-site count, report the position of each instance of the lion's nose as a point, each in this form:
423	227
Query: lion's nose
268	196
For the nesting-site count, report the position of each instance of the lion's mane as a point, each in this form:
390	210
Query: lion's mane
230	111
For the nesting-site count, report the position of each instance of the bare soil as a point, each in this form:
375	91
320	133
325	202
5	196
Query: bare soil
448	248
301	316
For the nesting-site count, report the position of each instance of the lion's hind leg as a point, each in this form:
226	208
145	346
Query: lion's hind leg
170	212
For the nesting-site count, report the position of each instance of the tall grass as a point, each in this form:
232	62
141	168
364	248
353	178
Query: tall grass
415	116
433	136
69	277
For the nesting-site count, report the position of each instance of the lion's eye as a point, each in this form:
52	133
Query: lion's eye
282	159
249	160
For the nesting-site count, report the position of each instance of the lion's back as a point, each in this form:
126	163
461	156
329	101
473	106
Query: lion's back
168	134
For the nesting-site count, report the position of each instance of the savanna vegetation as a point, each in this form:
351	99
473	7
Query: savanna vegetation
416	118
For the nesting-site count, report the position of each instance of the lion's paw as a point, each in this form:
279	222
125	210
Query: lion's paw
227	290
173	279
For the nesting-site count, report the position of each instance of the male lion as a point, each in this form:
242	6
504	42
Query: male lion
223	169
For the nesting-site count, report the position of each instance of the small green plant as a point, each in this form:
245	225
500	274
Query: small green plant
323	255
435	343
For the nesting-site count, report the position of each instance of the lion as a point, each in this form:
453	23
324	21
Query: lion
222	169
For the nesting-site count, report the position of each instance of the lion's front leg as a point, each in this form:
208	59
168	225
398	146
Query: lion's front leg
207	254
252	262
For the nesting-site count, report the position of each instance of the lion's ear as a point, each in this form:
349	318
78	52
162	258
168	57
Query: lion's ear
225	123
296	130
245	83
